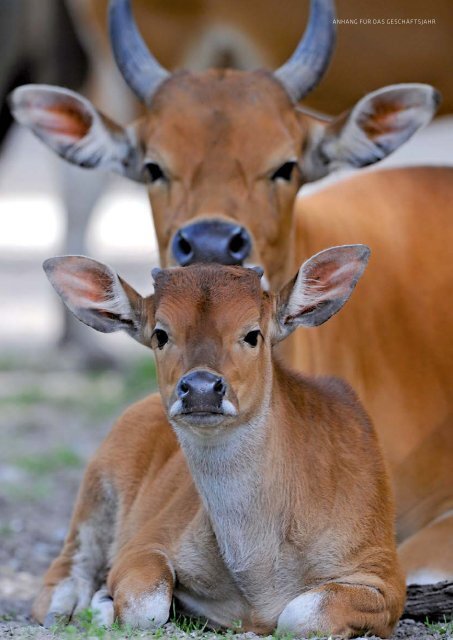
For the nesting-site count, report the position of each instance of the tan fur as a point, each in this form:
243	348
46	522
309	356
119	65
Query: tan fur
288	498
399	354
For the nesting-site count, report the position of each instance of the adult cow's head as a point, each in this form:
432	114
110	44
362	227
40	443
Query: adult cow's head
224	152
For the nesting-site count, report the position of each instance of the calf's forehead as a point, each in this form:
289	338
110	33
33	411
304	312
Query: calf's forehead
208	299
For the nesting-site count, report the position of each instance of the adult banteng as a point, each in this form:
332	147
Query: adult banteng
224	154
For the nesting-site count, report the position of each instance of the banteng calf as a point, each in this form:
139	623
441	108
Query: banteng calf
267	502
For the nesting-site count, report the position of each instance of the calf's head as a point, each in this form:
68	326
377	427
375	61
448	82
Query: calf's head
223	152
212	328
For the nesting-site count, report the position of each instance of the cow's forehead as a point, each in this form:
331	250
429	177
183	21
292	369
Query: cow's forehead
222	89
222	113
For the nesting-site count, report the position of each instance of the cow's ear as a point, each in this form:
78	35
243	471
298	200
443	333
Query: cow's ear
71	126
97	296
378	124
321	287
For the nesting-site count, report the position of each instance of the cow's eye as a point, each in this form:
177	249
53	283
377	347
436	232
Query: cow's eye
284	172
160	337
252	337
154	172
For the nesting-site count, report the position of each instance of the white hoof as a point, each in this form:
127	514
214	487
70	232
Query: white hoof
102	605
148	611
70	595
302	615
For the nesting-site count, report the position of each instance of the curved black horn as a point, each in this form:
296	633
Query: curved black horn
303	71
138	66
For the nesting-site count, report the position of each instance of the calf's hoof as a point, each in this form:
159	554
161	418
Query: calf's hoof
147	610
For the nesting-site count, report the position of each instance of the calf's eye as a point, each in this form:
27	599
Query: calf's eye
161	338
284	172
252	337
154	172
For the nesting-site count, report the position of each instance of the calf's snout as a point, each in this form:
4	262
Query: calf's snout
201	391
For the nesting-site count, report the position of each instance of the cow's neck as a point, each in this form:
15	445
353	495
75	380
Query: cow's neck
238	481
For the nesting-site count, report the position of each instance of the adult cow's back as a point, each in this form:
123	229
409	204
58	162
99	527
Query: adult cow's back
224	154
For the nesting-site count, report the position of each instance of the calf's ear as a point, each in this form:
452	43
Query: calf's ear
321	287
71	126
378	124
97	296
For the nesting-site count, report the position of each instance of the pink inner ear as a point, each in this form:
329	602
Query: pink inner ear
82	287
61	119
330	280
383	118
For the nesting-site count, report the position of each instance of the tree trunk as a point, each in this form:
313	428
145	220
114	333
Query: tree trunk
432	601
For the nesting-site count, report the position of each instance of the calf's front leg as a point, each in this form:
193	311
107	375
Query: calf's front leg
344	609
81	567
141	583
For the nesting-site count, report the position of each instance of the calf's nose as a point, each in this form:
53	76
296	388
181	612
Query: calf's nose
201	391
211	241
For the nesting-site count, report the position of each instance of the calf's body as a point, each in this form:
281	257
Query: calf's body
270	509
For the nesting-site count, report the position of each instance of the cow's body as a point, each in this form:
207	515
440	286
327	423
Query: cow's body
396	351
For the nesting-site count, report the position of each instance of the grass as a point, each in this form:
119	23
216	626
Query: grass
444	628
29	492
5	532
186	623
100	394
49	462
27	397
85	625
7	617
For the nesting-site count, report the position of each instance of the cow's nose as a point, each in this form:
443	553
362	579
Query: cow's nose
211	241
201	391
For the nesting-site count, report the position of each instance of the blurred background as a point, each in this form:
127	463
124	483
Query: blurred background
61	385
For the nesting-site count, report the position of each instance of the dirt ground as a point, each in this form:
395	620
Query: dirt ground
51	420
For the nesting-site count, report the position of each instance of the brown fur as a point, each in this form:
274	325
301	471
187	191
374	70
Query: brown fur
399	355
305	505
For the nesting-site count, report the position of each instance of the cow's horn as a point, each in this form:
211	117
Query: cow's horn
303	71
138	66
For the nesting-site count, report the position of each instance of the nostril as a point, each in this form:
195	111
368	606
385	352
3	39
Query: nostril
184	245
219	387
183	388
182	249
239	245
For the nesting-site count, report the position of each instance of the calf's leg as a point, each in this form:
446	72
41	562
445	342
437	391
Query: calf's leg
141	582
344	609
80	569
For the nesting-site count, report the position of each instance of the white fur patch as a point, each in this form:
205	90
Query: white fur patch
64	598
148	611
102	605
302	615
